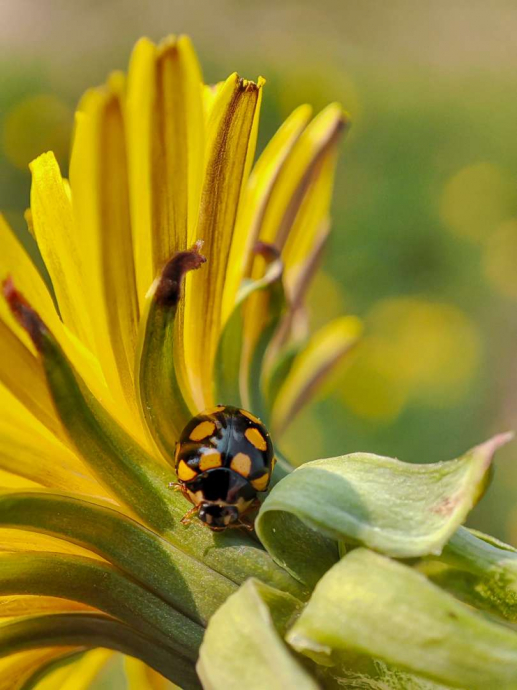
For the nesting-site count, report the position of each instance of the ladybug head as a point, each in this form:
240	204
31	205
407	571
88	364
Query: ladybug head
218	516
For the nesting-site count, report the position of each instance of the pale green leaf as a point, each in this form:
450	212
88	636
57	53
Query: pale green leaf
376	606
243	646
401	509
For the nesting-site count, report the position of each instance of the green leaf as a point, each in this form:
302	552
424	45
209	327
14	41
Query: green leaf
483	572
228	361
401	509
243	646
185	583
131	474
160	397
92	630
104	587
373	605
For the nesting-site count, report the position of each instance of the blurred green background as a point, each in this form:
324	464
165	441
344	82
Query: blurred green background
424	247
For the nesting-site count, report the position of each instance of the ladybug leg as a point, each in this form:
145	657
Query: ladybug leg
187	518
178	486
254	505
246	524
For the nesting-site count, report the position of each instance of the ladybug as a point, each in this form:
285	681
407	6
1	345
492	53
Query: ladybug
223	458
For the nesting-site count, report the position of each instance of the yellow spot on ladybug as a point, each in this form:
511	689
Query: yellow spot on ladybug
255	438
241	463
213	410
202	431
210	460
251	417
185	473
260	484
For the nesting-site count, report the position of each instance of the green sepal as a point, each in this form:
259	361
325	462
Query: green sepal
243	646
95	630
161	401
229	355
104	587
279	370
401	509
186	584
133	476
375	606
255	383
481	571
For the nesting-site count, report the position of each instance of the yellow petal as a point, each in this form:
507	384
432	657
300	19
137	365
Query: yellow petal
15	262
14	482
311	220
17	668
166	135
99	181
298	202
23	541
296	288
257	194
142	677
230	133
80	674
32	605
29	450
53	226
166	146
313	366
317	141
208	94
21	372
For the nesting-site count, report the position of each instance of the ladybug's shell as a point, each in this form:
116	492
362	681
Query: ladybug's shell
230	445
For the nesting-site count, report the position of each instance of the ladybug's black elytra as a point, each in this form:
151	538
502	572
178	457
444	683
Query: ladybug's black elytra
223	459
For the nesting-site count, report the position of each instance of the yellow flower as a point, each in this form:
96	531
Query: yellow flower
98	375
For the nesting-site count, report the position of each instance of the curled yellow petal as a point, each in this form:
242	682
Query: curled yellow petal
22	374
58	241
99	180
165	129
297	206
142	677
80	674
15	262
29	450
17	669
300	168
230	134
313	365
30	605
255	199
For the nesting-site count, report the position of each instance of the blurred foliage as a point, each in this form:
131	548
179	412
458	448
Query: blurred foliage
424	245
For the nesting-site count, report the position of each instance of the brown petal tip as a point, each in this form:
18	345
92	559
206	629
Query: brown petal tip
26	316
267	250
168	292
